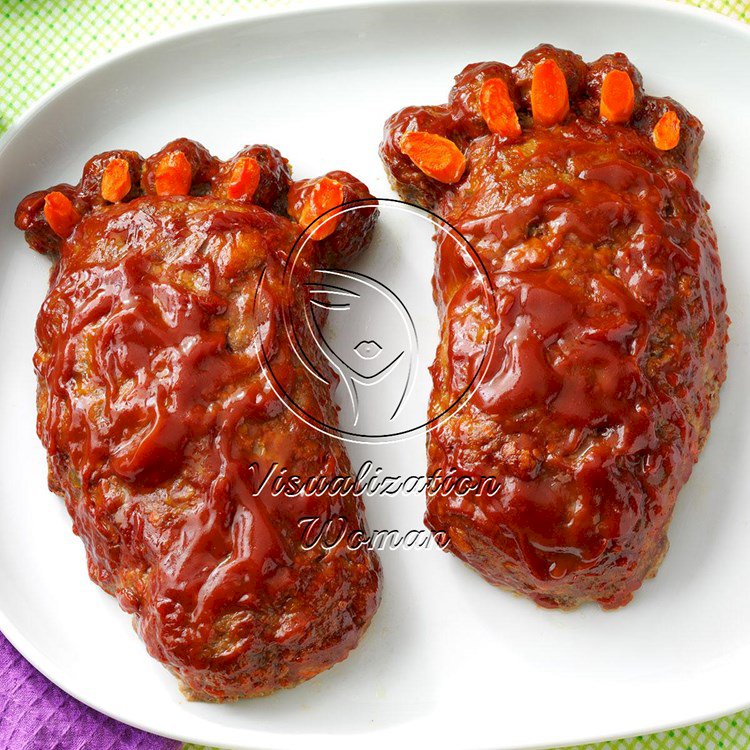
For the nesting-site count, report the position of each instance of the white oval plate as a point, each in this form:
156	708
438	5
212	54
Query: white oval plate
449	662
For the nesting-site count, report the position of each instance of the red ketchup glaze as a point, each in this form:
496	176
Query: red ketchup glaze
160	427
600	362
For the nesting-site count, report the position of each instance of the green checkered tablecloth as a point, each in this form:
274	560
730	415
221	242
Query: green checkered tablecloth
45	41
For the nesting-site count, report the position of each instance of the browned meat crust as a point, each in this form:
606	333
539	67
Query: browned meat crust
153	409
606	341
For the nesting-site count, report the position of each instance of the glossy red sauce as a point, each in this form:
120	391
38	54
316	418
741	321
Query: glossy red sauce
578	309
160	426
161	379
600	361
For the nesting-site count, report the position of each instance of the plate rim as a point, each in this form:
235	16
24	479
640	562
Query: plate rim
322	6
268	15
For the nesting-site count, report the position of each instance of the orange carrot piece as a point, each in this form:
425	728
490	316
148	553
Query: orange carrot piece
116	182
497	108
666	133
436	156
549	93
244	180
617	98
173	174
60	213
325	195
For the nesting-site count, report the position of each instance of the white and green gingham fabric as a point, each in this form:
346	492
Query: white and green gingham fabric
45	41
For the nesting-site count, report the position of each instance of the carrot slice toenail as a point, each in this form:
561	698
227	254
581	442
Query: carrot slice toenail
549	93
244	179
436	156
60	213
617	98
497	108
325	195
173	174
116	181
666	133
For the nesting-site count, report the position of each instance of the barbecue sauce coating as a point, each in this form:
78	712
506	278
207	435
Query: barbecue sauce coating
160	425
606	342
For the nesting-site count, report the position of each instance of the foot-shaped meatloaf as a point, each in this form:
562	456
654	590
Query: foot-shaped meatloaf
160	424
603	353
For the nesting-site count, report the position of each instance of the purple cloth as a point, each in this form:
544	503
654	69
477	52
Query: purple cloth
37	715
